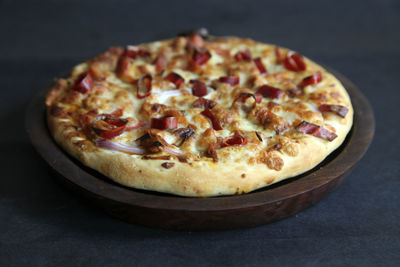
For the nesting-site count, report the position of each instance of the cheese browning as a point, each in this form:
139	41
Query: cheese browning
214	100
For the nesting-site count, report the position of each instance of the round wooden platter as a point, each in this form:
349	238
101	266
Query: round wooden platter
194	214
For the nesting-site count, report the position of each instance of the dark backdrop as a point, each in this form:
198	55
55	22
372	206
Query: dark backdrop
41	223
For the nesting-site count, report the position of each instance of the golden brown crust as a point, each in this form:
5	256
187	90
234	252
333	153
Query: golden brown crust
282	153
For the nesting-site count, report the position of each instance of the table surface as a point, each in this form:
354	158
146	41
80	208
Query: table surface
42	223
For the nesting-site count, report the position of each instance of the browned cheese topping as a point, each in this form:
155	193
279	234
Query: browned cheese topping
197	98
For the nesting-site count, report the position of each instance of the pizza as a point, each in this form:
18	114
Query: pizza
199	115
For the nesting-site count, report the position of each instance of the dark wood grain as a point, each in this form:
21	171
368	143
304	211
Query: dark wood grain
180	213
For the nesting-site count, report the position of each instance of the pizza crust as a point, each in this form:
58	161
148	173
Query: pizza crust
201	178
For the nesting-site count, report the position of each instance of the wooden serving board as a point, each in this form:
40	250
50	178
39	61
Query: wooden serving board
182	213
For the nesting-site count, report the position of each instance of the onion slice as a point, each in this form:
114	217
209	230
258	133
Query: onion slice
172	151
103	143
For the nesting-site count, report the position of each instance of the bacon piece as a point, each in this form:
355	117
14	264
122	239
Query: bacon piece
243	55
315	130
269	91
160	62
312	79
235	140
83	83
175	79
199	88
108	127
144	86
122	69
207	113
134	52
232	80
294	62
260	65
201	56
164	123
204	103
337	109
195	40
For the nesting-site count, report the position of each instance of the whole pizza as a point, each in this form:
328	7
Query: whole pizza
199	115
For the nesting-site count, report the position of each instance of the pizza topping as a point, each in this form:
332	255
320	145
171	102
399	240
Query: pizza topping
199	88
175	79
168	165
108	127
235	140
270	120
160	62
207	113
269	91
134	51
242	98
232	80
278	55
258	136
204	103
260	65
195	40
83	84
144	86
244	55
164	123
313	79
315	130
212	148
294	62
122	69
201	56
184	133
338	109
104	143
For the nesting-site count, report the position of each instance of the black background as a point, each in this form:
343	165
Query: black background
41	223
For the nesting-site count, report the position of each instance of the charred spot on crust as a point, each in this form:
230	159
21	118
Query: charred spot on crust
168	165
